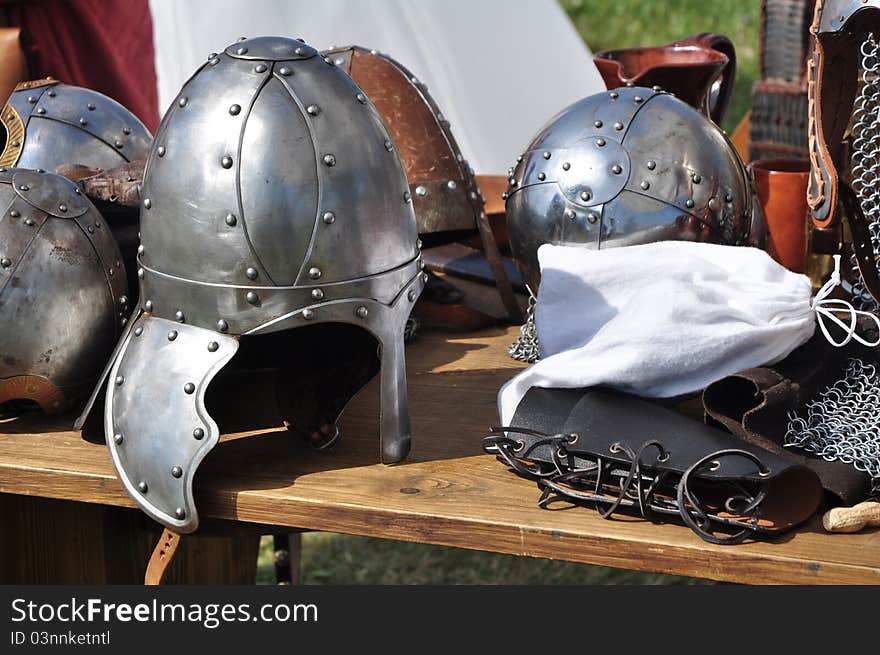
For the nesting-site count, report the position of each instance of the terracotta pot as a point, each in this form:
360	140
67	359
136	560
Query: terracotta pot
699	69
781	189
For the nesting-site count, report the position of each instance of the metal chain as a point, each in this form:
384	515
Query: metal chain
866	159
411	329
843	423
525	348
626	479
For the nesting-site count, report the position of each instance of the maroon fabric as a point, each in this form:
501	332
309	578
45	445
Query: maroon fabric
105	45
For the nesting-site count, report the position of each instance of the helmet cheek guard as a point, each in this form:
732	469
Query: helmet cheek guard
140	413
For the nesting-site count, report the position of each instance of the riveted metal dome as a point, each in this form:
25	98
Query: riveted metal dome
62	290
49	124
270	173
624	167
273	198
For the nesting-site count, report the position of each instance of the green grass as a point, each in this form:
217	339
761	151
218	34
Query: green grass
607	24
344	559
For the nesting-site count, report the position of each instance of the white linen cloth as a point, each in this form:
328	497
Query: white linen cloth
668	318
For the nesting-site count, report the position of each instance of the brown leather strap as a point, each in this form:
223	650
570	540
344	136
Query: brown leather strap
161	558
832	83
505	288
826	241
861	240
718	100
120	185
754	405
456	316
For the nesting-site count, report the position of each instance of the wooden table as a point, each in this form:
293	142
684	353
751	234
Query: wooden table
447	493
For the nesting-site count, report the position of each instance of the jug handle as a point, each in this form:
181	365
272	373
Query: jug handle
718	98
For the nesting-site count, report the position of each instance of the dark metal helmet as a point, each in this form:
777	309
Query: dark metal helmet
273	199
62	291
625	167
49	124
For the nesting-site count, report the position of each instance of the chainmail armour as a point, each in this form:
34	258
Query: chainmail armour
842	424
525	348
866	158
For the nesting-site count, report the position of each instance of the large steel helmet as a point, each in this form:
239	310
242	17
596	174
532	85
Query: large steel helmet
273	199
62	291
48	124
625	167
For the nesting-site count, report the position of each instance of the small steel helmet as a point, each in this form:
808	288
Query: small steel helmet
625	167
62	291
446	197
273	199
48	124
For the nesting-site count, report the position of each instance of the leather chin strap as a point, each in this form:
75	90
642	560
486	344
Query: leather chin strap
160	560
861	240
832	79
502	282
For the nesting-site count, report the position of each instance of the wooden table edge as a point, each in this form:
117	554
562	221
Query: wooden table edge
728	563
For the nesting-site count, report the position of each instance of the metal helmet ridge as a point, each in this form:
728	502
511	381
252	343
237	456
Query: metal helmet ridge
625	167
48	124
62	291
273	199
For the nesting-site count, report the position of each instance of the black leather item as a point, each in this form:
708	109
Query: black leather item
610	450
861	240
470	264
755	405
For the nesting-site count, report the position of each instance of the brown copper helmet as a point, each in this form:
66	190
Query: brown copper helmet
445	194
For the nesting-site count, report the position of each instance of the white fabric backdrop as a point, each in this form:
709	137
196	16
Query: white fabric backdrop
499	69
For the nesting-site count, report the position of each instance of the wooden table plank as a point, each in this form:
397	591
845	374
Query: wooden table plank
447	493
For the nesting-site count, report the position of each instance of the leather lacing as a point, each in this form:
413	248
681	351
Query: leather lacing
634	482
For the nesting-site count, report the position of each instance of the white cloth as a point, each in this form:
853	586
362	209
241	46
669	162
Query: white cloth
498	70
662	319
